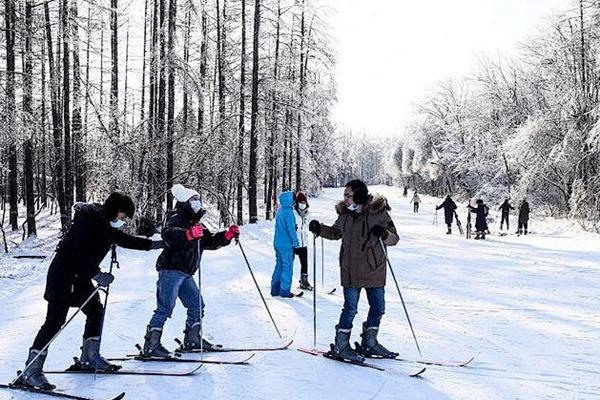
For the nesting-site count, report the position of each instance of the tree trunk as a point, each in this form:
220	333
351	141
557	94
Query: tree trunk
301	95
254	118
171	100
272	186
241	128
28	121
143	104
78	145
113	103
65	214
203	57
9	23
66	102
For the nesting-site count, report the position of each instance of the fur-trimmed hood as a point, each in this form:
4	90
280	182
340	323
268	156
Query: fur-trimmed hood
377	204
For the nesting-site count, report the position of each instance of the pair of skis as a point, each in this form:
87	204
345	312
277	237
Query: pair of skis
329	355
53	393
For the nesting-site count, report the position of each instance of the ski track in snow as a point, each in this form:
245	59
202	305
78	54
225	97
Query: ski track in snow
525	307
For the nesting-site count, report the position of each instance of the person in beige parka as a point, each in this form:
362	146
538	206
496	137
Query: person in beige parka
363	220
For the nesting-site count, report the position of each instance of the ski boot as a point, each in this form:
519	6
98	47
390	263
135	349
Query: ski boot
370	346
304	285
34	374
191	340
449	232
152	346
342	350
91	359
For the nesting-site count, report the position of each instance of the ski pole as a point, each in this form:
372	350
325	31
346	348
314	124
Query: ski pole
315	291
400	294
199	253
322	263
237	240
113	262
62	328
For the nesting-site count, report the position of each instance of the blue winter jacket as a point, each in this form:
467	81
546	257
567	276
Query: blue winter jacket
286	237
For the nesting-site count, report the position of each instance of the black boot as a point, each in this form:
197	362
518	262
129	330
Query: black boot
91	358
152	345
34	374
370	346
449	232
191	340
304	282
342	349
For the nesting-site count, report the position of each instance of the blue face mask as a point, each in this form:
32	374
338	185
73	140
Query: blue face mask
196	205
353	207
117	224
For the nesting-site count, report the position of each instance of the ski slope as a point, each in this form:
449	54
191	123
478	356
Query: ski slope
527	308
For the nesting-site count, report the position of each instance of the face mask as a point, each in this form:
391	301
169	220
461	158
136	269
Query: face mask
302	206
353	207
196	205
117	224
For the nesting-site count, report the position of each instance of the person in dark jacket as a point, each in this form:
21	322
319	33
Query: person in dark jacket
185	239
416	201
505	208
95	228
481	213
523	217
449	207
363	220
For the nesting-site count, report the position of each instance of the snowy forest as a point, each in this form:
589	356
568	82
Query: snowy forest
521	127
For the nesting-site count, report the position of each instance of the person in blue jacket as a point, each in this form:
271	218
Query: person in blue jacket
284	242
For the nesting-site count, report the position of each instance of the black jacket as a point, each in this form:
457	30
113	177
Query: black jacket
179	253
506	207
481	212
81	251
449	206
524	212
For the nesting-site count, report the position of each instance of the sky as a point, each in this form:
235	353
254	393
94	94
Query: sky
391	52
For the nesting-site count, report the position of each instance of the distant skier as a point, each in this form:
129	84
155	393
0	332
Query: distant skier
185	239
94	229
416	201
523	217
449	207
505	208
405	191
362	220
301	207
481	212
285	243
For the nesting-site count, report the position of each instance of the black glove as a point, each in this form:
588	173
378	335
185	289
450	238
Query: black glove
379	232
157	244
104	278
315	227
297	250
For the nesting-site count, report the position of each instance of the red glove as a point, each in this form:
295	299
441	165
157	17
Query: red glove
194	232
232	232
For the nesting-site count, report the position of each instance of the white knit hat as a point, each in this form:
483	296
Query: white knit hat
182	194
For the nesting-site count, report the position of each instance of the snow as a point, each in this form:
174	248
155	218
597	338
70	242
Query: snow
525	307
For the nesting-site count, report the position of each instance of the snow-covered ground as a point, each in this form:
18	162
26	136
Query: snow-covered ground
527	308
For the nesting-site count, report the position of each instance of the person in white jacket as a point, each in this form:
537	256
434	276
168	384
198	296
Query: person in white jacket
301	207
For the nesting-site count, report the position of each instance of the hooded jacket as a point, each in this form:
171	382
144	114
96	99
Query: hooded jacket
362	259
179	253
80	252
286	237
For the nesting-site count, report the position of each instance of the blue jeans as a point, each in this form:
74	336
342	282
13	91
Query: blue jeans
281	281
171	285
376	297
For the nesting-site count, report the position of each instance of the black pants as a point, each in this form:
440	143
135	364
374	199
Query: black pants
302	253
522	225
57	315
504	218
416	207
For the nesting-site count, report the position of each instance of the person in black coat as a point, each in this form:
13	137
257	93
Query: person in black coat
481	212
505	208
449	207
95	228
185	239
523	217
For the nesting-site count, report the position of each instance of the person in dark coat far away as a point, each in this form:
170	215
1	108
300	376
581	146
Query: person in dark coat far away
94	229
449	207
481	212
523	217
505	208
416	201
